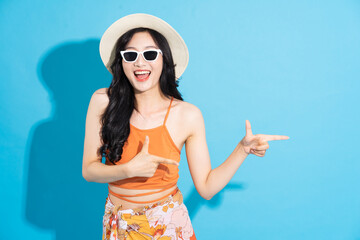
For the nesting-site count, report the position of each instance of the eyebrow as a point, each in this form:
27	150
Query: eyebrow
145	47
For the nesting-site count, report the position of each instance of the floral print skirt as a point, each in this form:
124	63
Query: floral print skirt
164	220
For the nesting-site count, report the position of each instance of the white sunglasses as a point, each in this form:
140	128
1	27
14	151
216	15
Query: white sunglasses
131	56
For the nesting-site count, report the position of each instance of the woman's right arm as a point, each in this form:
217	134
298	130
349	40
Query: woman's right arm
93	170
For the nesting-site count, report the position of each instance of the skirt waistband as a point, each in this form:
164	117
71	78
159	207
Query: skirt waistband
175	196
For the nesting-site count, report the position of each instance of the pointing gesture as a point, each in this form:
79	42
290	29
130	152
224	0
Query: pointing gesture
145	164
257	144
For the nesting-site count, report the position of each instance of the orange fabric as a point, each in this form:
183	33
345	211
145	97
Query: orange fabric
161	144
137	195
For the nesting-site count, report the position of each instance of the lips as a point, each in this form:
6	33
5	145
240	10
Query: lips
142	75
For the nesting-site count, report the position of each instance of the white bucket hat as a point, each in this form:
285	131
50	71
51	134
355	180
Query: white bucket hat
178	47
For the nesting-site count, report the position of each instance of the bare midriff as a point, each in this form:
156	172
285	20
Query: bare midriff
148	198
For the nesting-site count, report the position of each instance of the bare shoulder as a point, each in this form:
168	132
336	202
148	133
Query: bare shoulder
189	116
100	98
189	111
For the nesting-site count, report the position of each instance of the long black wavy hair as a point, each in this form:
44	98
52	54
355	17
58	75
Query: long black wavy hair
115	120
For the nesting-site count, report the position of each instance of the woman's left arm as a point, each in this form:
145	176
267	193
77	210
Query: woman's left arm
208	182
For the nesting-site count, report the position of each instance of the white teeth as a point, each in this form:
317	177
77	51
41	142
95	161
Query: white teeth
142	72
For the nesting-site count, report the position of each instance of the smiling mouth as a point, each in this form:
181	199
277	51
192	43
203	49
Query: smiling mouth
142	75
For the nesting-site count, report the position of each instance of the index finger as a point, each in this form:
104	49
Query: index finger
166	160
275	137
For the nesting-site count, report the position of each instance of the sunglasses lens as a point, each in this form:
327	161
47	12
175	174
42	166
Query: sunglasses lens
150	55
130	56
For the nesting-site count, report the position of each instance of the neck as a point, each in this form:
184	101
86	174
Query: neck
149	102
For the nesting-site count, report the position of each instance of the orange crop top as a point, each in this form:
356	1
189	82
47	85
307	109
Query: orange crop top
161	144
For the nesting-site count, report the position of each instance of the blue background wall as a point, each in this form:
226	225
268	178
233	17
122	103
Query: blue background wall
290	67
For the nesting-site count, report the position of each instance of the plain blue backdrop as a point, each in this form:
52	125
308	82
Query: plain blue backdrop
289	67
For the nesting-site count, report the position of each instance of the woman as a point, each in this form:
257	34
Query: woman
140	124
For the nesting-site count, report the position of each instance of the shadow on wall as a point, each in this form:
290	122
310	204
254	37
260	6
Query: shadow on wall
194	201
58	198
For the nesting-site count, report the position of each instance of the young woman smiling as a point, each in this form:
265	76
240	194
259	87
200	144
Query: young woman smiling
140	124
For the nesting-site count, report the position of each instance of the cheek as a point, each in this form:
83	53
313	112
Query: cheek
159	67
127	71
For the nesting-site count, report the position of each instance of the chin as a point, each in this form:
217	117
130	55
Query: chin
142	87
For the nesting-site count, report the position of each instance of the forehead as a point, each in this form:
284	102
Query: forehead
141	40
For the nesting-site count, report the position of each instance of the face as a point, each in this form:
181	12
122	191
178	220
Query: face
143	82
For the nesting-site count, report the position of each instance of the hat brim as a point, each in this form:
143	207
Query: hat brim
178	47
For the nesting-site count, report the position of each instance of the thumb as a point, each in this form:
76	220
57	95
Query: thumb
248	127
145	147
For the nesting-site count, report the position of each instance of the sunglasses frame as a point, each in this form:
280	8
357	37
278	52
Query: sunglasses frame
142	53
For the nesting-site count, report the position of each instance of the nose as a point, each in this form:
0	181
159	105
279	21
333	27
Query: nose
140	61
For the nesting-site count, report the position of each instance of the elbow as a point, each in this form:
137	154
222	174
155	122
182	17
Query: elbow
206	196
85	175
203	191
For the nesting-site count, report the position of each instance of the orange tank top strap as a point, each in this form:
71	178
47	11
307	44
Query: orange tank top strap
167	113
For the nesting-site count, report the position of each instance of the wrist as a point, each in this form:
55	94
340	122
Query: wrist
125	170
241	149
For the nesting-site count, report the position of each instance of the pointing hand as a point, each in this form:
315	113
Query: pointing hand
145	164
258	143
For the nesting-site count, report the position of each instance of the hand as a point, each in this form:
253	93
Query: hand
145	164
257	144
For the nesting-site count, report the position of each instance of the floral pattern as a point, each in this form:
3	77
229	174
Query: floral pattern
165	220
